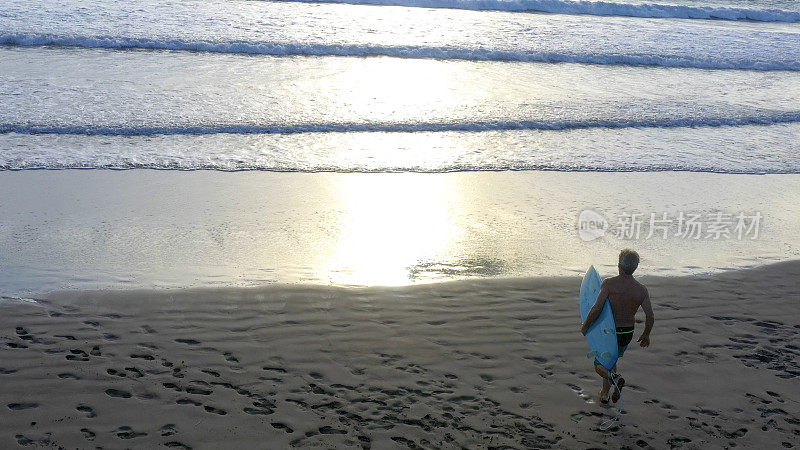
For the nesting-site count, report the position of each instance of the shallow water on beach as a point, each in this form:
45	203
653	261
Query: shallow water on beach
167	229
542	108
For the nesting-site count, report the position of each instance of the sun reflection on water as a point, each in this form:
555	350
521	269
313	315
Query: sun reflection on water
389	224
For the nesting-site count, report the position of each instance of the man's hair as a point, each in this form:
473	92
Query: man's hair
628	261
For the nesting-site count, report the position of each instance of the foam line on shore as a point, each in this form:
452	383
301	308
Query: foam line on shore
594	8
790	117
398	51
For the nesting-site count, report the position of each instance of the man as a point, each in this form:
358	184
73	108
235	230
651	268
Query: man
626	296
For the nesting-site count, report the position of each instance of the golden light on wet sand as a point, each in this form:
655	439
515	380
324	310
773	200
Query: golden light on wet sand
389	224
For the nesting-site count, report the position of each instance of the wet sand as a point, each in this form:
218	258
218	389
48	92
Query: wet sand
150	229
479	364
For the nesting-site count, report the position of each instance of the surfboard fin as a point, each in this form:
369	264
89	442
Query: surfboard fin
605	355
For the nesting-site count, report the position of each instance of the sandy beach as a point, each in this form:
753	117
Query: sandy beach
494	363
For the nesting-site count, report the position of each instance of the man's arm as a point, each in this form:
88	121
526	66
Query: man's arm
594	313
644	339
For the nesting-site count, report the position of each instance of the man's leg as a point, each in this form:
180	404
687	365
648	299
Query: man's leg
619	382
603	372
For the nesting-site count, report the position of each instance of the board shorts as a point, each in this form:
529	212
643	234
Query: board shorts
624	337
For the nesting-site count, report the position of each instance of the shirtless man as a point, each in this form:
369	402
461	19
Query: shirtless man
626	296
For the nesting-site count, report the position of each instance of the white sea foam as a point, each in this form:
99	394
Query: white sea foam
595	8
791	117
734	149
399	51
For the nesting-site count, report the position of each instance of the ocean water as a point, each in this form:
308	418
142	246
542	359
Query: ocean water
401	85
540	88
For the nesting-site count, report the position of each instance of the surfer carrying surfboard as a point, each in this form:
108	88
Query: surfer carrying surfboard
625	295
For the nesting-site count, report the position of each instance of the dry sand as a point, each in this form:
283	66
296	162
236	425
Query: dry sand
475	364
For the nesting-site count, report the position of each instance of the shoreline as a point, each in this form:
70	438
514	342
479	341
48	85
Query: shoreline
44	297
163	229
464	363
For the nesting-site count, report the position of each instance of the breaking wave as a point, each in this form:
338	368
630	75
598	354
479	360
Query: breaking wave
791	117
418	52
595	8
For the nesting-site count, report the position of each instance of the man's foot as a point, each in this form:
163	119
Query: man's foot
619	382
603	397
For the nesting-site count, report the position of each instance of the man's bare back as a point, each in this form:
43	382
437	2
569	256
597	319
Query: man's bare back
626	296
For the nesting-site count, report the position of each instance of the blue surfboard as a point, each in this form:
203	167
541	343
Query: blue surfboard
602	335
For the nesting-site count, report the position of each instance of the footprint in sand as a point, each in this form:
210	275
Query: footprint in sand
735	434
407	442
86	409
68	337
258	411
77	354
25	336
580	415
136	373
126	432
198	391
537	359
678	442
115	372
280	426
578	390
22	406
214	410
88	434
775	395
172	386
117	393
